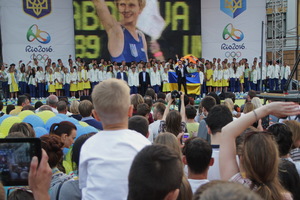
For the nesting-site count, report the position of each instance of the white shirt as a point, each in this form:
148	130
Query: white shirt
40	76
58	76
155	78
195	184
165	77
270	72
154	128
276	71
225	74
201	77
133	79
50	77
66	78
101	76
73	77
285	72
254	76
93	75
105	161
214	171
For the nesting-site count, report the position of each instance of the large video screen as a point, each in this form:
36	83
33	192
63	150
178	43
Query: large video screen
170	27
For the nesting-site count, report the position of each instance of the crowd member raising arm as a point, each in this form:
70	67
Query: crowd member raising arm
258	167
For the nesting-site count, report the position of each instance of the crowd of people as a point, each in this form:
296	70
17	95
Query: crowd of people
78	78
153	148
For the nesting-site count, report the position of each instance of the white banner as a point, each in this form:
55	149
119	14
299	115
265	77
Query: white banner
232	28
43	28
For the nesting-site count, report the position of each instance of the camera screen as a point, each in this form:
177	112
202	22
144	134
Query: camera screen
15	161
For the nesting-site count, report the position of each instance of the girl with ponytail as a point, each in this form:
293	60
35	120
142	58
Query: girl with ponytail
66	131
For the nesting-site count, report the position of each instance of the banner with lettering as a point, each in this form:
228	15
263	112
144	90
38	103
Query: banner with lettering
37	29
170	26
232	28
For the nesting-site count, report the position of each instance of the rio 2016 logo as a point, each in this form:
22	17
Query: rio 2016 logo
34	33
233	33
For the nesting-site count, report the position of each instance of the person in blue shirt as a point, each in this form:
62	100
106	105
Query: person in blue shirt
122	75
85	109
125	41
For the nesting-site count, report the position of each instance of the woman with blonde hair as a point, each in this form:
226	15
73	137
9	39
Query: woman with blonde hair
74	110
256	102
295	128
248	107
169	140
258	168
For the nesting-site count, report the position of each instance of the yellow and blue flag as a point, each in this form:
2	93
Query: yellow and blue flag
192	83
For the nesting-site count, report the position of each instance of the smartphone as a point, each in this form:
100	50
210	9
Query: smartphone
185	137
265	122
15	159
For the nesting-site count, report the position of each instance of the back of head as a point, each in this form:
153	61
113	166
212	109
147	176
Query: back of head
196	149
22	99
169	140
85	108
28	107
232	191
295	128
38	104
289	178
155	172
143	109
208	102
261	164
256	102
77	147
218	117
150	92
24	128
111	101
52	144
64	127
161	96
52	100
9	108
283	137
252	94
15	135
139	124
136	100
248	107
215	96
229	103
62	107
173	122
20	194
159	109
45	107
190	112
74	107
148	100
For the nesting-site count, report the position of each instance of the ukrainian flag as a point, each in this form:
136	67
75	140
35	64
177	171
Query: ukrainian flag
192	83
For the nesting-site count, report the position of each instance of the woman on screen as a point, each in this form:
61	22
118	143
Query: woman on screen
125	41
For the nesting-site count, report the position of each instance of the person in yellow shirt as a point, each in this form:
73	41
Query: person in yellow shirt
209	77
22	102
12	82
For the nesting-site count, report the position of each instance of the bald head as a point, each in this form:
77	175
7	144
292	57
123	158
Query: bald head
52	100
